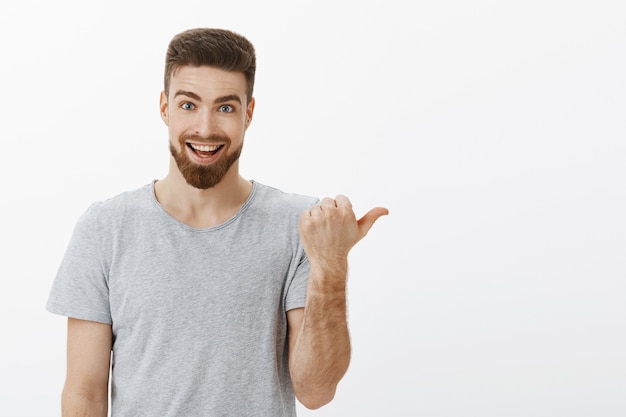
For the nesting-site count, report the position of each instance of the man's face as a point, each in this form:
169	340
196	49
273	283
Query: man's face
207	115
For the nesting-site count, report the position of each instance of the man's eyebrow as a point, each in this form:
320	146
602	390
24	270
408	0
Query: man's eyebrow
223	99
230	97
188	94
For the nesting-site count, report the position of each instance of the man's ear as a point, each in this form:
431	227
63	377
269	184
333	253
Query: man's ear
163	107
249	112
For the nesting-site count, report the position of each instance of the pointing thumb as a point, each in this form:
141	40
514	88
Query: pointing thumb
367	221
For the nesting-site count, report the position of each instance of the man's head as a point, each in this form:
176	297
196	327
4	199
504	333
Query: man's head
207	103
217	48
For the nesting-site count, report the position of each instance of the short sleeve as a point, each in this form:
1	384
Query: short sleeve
80	289
295	296
296	290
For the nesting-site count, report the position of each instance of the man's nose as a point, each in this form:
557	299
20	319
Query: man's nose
206	124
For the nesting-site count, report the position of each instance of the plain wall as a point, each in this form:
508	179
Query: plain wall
494	131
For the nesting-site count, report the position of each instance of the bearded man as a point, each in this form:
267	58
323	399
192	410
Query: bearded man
204	293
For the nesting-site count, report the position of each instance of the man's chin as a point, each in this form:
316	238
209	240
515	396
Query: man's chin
201	180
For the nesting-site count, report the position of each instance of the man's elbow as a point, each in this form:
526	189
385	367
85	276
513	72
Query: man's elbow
316	398
79	400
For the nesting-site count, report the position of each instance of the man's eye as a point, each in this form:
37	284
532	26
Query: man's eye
187	106
226	109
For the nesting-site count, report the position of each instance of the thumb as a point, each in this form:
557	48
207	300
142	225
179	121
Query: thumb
367	221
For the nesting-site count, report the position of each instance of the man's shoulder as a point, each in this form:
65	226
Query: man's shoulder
275	197
115	206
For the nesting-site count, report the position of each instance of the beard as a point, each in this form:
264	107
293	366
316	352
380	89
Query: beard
204	176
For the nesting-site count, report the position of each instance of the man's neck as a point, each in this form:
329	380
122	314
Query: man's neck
202	208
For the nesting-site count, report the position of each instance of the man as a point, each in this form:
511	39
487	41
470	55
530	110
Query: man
217	296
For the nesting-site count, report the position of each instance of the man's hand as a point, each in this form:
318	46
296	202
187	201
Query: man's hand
329	230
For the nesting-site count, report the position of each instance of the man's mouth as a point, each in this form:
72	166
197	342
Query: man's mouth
204	151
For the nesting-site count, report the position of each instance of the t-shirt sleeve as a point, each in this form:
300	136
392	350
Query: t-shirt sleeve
80	289
296	288
296	291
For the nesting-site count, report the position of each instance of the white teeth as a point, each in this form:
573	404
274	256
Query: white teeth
205	148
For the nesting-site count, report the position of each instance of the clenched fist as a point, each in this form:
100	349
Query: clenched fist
330	229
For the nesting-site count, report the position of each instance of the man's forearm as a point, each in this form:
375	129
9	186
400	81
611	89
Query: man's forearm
321	354
320	347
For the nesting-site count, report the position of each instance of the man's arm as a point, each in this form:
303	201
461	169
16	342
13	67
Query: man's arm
319	341
86	390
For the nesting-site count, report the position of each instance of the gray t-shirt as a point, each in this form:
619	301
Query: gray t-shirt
198	315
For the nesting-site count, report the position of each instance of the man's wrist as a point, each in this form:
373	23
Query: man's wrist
329	277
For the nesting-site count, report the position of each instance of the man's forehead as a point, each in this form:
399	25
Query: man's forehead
205	78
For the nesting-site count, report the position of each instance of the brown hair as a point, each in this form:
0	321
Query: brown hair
217	48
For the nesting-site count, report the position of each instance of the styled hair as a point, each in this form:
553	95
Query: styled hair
217	48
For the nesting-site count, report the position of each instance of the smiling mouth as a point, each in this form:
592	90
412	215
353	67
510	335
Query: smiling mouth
204	151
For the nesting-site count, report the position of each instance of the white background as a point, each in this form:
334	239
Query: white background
494	131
